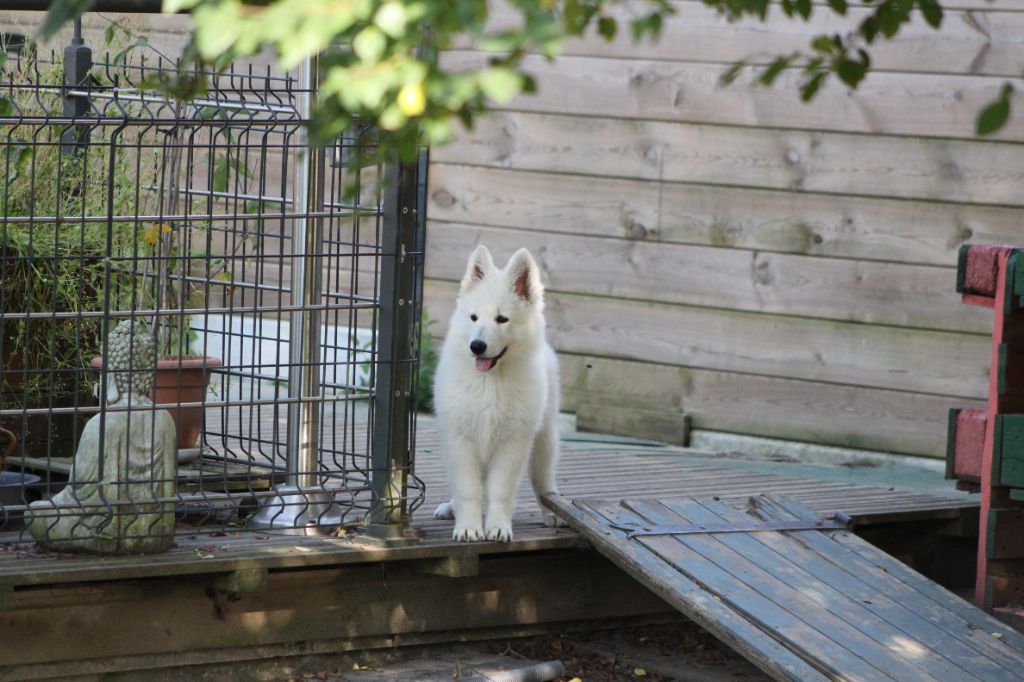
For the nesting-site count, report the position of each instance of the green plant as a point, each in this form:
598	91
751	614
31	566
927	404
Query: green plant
54	259
381	58
427	366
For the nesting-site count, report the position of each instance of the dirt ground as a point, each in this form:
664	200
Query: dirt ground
677	651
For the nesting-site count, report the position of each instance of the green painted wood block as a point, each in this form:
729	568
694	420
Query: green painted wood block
954	412
1005	533
1018	277
1010	370
961	267
1009	450
1014	282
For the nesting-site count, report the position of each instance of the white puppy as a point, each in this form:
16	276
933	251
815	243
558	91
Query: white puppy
497	397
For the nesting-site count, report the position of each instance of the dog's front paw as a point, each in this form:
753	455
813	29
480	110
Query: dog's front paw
499	534
445	511
552	521
467	534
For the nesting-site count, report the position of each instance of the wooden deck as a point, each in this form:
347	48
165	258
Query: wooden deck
801	600
587	469
223	594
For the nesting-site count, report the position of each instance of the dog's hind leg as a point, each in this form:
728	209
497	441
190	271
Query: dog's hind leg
445	511
543	464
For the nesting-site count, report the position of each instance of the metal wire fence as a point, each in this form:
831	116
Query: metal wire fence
277	284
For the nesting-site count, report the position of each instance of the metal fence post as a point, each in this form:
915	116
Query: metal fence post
396	353
298	505
77	63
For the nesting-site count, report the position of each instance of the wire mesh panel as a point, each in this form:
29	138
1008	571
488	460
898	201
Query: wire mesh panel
192	308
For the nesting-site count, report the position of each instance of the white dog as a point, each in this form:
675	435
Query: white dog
497	397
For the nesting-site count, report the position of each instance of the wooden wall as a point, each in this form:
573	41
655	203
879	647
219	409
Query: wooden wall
767	267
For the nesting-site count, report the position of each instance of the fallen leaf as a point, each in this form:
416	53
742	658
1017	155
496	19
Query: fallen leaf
639	672
203	555
997	635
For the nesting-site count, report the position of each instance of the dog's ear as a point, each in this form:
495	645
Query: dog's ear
524	277
479	267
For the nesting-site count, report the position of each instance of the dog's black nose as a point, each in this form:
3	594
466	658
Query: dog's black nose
478	347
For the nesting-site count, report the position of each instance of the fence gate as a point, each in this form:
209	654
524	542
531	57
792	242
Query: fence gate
278	286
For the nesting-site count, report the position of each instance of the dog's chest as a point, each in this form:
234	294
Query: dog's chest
494	412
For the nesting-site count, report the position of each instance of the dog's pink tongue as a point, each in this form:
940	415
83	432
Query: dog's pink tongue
484	364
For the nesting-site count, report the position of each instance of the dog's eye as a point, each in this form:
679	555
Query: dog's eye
501	319
473	317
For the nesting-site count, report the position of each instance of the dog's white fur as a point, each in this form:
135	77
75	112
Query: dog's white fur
493	421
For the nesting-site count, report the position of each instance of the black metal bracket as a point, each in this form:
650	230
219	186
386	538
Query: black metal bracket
713	529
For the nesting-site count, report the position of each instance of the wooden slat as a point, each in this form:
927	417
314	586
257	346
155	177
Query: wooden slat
847	416
839	289
738	217
828	610
696	602
984	42
943	170
828	596
941	363
894	578
817	575
943	105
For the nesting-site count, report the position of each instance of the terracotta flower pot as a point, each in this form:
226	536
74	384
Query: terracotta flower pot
181	379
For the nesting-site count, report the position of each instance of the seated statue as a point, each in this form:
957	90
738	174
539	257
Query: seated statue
119	498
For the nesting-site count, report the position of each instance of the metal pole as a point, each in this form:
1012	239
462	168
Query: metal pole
77	62
301	504
396	352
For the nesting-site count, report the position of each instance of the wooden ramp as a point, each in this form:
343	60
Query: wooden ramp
800	597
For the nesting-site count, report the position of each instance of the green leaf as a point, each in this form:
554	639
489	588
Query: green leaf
810	88
370	44
500	83
932	12
994	116
6	106
850	72
769	75
732	73
391	19
172	6
607	28
61	12
803	8
838	6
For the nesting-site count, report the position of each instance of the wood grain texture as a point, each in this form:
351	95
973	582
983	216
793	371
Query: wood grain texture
984	42
827	597
933	105
772	407
837	289
940	363
971	171
868	228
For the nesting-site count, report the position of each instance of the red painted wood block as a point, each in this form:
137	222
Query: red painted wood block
980	270
969	444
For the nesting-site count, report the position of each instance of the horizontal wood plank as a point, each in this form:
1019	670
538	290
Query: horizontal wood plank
981	172
744	218
940	363
838	289
981	42
933	105
772	407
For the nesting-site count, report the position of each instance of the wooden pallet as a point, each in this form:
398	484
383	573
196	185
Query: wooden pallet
810	603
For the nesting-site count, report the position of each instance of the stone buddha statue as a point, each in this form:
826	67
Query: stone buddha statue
115	501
